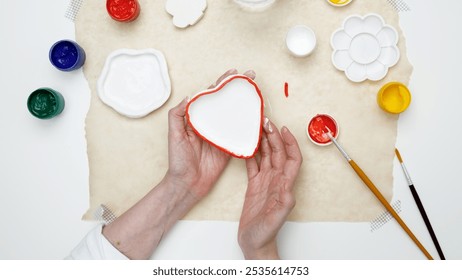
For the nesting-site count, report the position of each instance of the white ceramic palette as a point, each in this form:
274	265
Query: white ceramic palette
229	116
365	47
134	82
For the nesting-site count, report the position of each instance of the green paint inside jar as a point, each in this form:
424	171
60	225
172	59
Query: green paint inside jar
45	103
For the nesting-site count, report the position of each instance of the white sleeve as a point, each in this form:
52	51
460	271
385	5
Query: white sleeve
95	247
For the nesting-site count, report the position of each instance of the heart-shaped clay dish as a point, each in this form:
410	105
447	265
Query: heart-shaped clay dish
229	116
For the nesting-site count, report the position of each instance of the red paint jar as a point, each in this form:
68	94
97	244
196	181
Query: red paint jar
123	10
316	129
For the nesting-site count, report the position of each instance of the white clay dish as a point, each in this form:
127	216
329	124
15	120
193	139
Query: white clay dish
229	116
134	82
365	48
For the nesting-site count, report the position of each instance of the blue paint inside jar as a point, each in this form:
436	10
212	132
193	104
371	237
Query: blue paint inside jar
67	55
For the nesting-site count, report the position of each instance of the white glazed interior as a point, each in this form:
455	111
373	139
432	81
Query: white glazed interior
134	82
365	47
230	117
301	40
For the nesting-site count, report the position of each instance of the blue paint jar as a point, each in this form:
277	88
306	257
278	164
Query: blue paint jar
67	55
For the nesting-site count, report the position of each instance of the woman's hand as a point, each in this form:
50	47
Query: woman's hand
194	164
194	167
269	198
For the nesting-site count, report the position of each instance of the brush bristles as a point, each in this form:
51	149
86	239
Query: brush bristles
398	155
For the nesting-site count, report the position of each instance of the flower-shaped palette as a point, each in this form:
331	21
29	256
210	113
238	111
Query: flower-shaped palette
365	47
229	116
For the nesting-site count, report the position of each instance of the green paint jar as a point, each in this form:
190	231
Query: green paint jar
45	103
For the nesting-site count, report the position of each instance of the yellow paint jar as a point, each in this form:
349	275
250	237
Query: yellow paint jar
394	97
339	3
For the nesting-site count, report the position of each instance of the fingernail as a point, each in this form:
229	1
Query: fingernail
284	129
267	125
186	99
231	71
251	74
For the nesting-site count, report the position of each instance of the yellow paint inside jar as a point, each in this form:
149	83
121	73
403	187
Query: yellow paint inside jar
339	2
394	98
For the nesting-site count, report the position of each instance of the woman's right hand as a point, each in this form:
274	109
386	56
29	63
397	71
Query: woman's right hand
269	198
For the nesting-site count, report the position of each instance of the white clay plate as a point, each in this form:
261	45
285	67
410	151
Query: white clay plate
301	40
365	47
229	116
134	82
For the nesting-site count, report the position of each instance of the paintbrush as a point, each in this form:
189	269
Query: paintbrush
377	194
420	206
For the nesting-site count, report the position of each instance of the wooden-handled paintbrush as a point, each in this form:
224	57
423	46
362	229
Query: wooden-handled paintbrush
377	194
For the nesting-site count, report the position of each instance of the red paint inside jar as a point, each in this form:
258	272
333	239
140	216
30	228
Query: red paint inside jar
317	128
123	10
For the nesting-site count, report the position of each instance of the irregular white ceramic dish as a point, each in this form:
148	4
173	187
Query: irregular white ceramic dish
229	116
301	40
186	12
365	47
134	82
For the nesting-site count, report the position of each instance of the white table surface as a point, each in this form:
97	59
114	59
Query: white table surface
44	168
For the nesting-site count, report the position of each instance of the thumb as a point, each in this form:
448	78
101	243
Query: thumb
176	116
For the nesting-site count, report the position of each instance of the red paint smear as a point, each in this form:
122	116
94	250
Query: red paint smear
286	89
123	10
218	88
317	130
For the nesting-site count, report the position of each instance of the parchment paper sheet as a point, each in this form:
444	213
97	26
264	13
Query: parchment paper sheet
127	157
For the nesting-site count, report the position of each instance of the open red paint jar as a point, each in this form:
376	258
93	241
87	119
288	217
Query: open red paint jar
123	10
316	130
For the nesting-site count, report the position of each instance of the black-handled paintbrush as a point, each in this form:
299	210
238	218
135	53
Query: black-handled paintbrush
420	206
